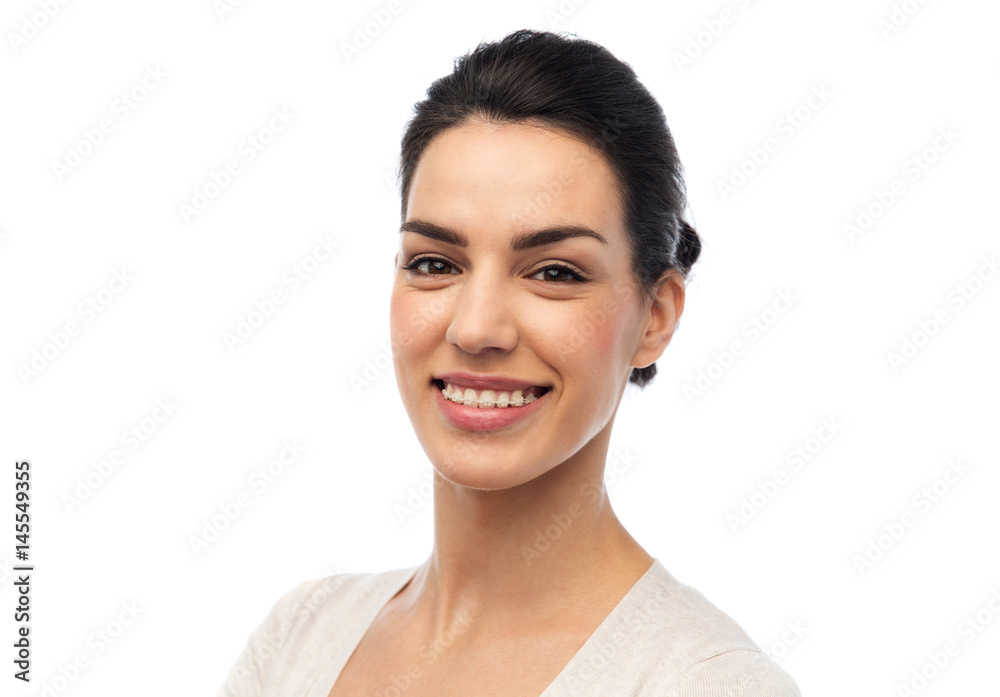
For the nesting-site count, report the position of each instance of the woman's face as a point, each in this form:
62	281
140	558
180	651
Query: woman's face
514	265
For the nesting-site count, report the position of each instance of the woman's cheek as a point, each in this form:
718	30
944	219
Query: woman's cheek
597	334
420	310
409	320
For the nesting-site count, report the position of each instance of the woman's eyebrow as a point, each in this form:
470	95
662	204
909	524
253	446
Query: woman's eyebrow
520	242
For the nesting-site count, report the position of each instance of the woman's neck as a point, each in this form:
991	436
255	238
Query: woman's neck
531	555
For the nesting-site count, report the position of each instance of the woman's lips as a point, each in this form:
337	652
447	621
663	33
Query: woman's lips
476	418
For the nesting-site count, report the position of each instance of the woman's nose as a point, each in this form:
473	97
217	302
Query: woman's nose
482	317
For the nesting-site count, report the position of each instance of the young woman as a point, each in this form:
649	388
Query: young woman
541	268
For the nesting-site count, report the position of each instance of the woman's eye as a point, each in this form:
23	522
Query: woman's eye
559	274
434	267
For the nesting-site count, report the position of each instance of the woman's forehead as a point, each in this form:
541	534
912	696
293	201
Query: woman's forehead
516	175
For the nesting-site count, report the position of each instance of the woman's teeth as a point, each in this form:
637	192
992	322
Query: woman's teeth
487	399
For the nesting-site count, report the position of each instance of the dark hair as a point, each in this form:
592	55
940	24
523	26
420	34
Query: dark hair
578	86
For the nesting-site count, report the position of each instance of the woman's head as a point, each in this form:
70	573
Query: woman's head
578	87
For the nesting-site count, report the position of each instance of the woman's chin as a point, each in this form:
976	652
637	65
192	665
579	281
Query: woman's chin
484	475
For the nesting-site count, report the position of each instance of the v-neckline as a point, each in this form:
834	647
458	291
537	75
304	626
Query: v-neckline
329	674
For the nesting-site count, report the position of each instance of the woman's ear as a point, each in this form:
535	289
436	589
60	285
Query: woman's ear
661	319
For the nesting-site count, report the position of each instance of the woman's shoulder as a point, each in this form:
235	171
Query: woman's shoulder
312	601
744	672
323	612
316	601
691	647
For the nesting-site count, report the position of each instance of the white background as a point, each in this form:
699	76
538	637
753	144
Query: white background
689	460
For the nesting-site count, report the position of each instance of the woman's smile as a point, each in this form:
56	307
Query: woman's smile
488	410
471	402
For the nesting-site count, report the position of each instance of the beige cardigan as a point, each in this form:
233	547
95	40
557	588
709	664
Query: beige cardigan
663	639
